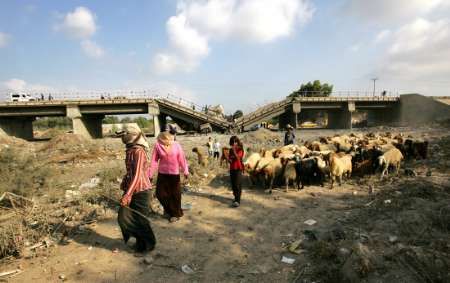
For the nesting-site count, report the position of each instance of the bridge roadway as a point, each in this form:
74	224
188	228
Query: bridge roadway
339	109
16	117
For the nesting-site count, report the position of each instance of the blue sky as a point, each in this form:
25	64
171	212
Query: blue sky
240	53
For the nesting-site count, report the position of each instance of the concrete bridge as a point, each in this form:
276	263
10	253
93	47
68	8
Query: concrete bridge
408	109
16	118
339	110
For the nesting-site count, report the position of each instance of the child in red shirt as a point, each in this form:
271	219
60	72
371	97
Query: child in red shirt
236	168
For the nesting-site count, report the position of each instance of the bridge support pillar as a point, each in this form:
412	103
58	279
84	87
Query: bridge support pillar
296	108
89	126
20	127
341	119
153	110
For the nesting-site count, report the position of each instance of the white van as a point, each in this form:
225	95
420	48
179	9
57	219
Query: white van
21	97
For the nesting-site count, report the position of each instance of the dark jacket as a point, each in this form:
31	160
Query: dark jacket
289	138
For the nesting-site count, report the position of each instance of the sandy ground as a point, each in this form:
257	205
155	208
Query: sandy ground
224	244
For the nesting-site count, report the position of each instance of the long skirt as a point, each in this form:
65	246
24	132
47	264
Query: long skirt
168	192
134	225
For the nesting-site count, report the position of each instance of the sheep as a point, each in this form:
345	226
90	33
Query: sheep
271	171
250	165
393	158
224	156
289	173
307	171
303	151
340	165
362	168
202	158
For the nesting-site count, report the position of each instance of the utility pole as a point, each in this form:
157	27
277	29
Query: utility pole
374	81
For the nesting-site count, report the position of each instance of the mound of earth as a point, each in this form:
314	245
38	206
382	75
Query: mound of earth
66	142
260	136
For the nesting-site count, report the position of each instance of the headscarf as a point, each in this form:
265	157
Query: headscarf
166	139
132	135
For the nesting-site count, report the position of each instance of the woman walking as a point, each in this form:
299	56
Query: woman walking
136	187
236	168
170	156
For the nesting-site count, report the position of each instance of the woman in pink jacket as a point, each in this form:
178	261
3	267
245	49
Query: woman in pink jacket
169	158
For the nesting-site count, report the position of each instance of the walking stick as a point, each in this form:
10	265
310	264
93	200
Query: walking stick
127	207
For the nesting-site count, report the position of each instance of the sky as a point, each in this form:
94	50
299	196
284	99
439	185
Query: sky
239	53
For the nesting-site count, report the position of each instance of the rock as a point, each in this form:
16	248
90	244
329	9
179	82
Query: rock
148	260
359	264
393	239
62	277
343	253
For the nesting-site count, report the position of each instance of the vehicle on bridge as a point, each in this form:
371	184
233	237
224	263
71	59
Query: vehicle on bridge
21	97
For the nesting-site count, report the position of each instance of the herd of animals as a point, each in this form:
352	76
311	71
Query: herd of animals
336	158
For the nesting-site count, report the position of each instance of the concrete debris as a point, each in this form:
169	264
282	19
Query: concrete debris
310	222
287	260
186	269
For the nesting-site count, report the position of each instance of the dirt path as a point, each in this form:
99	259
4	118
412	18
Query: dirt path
220	243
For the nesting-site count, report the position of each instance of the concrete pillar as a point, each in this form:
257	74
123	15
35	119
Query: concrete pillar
153	110
20	127
89	126
162	121
296	108
156	126
351	108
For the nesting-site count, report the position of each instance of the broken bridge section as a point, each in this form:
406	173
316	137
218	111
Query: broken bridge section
16	118
339	110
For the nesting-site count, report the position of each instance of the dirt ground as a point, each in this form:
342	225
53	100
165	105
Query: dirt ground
365	230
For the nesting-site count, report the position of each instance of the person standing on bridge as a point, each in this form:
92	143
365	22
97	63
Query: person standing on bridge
169	158
289	136
136	197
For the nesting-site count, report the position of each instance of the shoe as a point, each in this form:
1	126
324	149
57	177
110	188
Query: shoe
235	204
173	219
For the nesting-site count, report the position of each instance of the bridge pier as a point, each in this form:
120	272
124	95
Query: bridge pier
20	127
153	110
342	118
89	126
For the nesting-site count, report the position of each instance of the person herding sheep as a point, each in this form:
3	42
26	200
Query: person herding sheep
136	187
289	137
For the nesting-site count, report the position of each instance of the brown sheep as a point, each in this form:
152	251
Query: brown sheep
224	156
202	158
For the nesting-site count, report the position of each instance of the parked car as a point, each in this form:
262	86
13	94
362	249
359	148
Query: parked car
308	124
21	97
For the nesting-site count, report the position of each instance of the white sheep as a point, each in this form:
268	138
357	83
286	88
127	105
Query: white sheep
392	157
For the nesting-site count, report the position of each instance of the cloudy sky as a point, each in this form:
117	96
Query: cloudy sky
241	53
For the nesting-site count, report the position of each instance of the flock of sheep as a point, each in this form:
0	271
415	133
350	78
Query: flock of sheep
337	157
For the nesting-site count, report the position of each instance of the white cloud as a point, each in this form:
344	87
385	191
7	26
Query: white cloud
382	35
4	39
21	85
198	21
382	12
92	49
419	50
79	24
